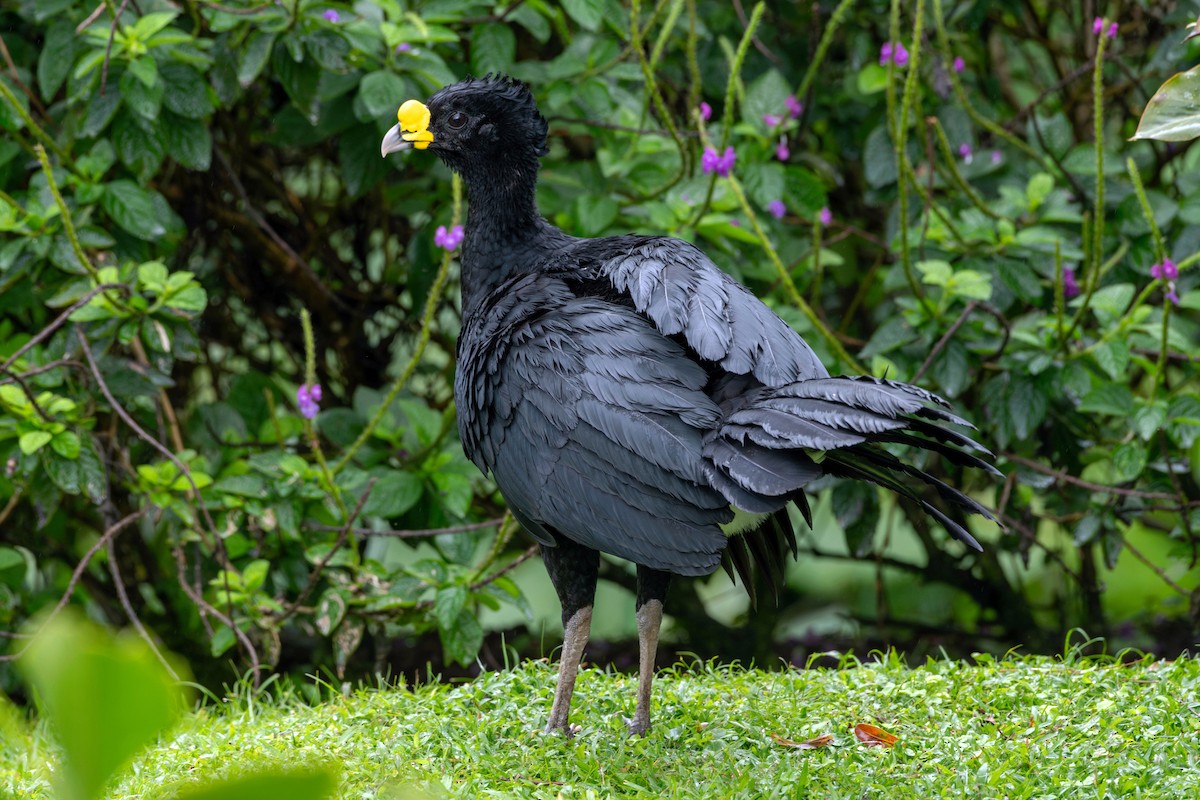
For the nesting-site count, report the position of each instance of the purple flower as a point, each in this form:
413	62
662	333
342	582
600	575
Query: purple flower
1069	284
770	120
959	64
720	164
996	157
705	111
1097	25
448	240
331	16
777	209
795	107
735	222
894	53
1112	30
781	150
308	399
966	153
403	47
826	216
1171	295
1166	271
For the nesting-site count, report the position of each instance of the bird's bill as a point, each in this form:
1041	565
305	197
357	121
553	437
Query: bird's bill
412	130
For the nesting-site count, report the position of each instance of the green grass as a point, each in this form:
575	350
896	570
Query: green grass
1016	728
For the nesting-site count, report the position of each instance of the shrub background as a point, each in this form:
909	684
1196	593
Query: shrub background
182	186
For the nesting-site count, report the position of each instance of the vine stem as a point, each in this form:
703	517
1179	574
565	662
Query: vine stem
735	70
835	22
431	305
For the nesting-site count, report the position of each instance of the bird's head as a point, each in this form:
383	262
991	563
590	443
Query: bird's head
476	123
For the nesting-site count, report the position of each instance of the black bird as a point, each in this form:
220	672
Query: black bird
626	394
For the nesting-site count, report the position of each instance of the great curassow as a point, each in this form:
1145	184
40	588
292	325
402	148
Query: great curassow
626	394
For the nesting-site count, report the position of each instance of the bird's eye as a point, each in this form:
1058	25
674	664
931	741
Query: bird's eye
457	120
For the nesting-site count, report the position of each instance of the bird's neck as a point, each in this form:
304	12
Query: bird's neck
505	236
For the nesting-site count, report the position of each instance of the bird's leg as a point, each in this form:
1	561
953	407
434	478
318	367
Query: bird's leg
573	570
651	593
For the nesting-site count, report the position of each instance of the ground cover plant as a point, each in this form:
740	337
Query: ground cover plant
226	326
1015	727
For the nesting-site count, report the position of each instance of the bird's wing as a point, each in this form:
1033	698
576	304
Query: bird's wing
596	430
683	292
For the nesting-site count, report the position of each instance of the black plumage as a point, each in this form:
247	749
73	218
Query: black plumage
624	392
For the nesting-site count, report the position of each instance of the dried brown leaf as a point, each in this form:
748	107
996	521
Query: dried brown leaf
815	743
874	737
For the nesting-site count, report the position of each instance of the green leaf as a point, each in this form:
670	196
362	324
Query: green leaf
56	58
1108	398
394	493
767	94
1173	114
330	611
299	80
100	111
255	574
971	285
1112	357
223	639
1129	460
93	476
328	49
33	441
1149	419
187	93
872	79
150	24
358	152
63	472
138	144
1110	302
463	639
935	272
267	785
1038	189
594	213
493	48
1026	407
145	69
12	567
107	698
144	100
379	95
587	13
188	141
1086	530
254	57
66	444
134	209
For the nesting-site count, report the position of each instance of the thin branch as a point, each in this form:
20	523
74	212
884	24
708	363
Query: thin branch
1065	477
183	468
319	567
104	539
410	534
123	596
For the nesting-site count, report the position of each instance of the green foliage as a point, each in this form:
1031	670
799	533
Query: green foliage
182	182
1000	728
108	699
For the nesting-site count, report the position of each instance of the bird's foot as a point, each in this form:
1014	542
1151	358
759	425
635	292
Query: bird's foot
566	729
637	727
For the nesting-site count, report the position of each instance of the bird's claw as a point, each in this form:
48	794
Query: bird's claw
567	729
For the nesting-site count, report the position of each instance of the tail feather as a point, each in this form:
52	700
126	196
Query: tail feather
852	464
775	440
757	556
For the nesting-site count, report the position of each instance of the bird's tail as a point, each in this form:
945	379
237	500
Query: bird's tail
774	441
